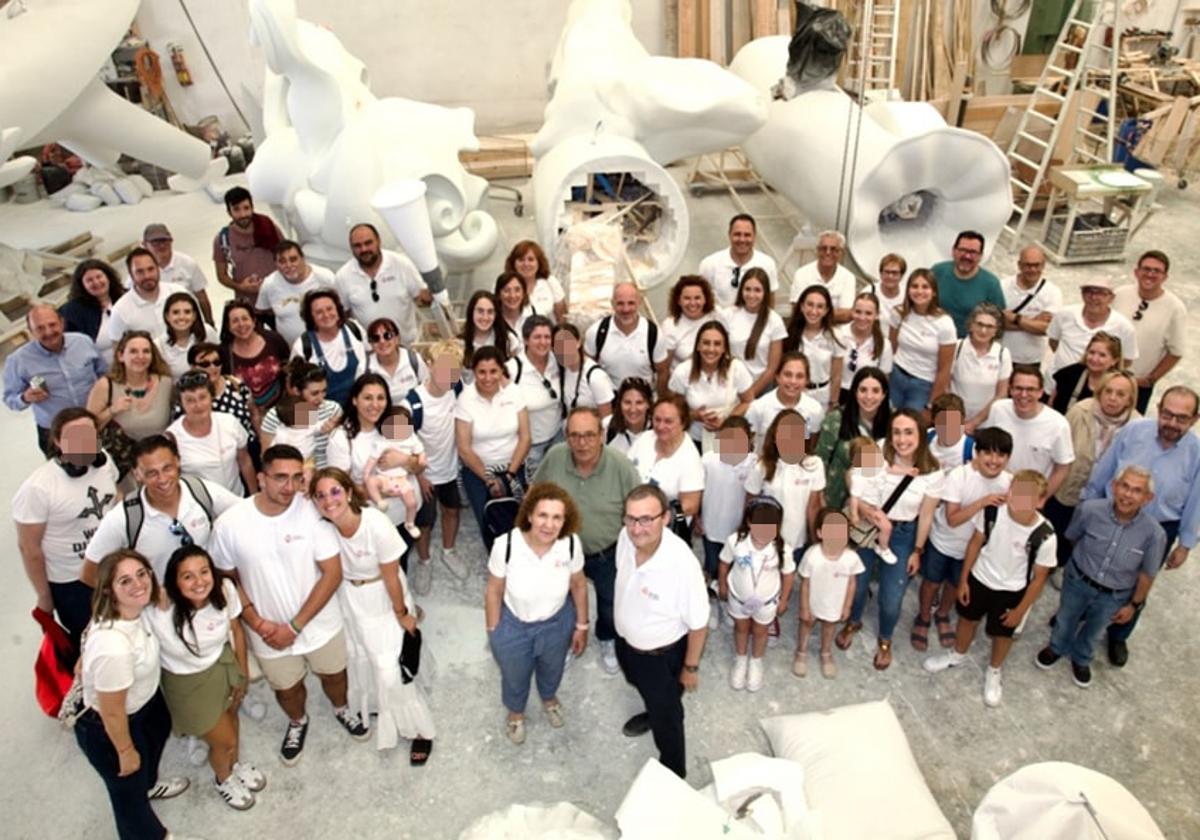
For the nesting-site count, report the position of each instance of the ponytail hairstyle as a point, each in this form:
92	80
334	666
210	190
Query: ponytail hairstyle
764	510
876	327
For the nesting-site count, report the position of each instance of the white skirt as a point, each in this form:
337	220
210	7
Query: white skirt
373	642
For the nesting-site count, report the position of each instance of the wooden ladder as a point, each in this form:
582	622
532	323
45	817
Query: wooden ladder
872	63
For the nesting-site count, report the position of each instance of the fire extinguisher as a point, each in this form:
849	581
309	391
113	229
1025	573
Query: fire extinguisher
179	62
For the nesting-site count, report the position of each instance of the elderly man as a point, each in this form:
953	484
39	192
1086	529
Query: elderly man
724	269
599	479
1118	549
54	371
1072	327
1029	304
376	283
1159	321
1166	447
244	250
176	267
660	610
142	307
282	292
625	344
962	284
826	270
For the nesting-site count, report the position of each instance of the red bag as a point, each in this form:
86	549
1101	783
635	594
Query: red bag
52	670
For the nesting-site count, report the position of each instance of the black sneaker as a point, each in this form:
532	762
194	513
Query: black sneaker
353	724
1082	674
293	742
637	725
1118	652
1046	658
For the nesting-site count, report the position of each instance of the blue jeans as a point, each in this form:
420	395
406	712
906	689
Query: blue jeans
601	569
893	579
1083	613
907	391
712	558
1121	632
525	649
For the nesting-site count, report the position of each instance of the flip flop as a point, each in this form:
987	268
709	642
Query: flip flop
421	749
945	630
845	636
883	656
920	634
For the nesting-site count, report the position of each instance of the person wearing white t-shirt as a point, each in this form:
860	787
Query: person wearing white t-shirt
1041	436
184	330
725	473
666	458
892	288
1072	327
546	294
828	578
714	384
403	367
141	308
948	438
1159	319
535	375
289	568
626	344
726	269
999	580
1030	301
212	445
376	283
284	289
756	330
923	338
176	267
811	332
690	305
791	392
785	473
582	382
865	341
826	271
982	365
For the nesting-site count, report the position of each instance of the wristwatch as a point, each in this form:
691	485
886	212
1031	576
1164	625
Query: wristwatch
692	669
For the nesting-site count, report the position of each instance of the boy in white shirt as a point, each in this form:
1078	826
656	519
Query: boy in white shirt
949	441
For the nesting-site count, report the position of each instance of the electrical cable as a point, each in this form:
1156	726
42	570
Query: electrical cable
213	64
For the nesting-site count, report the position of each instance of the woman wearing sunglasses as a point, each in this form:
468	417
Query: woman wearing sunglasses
230	394
534	372
402	367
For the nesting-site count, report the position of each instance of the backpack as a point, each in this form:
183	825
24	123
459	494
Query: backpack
1032	545
968	444
135	512
585	375
306	345
606	325
413	399
508	548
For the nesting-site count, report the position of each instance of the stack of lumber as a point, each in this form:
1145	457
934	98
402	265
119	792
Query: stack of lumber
717	29
500	156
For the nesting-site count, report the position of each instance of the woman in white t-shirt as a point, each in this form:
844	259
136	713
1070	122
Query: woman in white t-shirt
864	340
332	341
382	639
690	306
546	296
126	723
536	603
890	291
790	476
666	458
479	330
632	415
512	303
756	330
811	332
402	367
715	384
982	365
212	445
185	329
582	382
791	392
909	459
535	375
204	666
923	338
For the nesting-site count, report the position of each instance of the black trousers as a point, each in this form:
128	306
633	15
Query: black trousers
656	678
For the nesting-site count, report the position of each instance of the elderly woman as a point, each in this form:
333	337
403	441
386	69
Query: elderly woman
545	294
582	382
95	287
691	305
536	603
491	426
185	329
232	395
331	341
632	414
666	458
380	616
864	340
923	338
480	326
756	330
252	354
535	374
402	367
126	723
866	414
715	384
982	365
133	400
212	445
1081	380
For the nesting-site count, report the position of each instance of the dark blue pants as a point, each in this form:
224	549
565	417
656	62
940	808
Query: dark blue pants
1122	632
73	606
656	678
601	569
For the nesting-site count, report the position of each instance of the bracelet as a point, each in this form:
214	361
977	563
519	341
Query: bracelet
583	626
692	669
295	627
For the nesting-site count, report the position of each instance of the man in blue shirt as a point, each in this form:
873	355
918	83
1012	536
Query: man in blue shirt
54	372
1166	447
962	284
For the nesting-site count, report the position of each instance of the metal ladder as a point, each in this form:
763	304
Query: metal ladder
1081	45
872	64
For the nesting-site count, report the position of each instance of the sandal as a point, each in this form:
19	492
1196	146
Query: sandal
945	630
828	669
883	656
845	636
920	634
419	754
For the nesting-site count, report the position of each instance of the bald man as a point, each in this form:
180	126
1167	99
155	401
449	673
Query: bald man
1029	304
627	345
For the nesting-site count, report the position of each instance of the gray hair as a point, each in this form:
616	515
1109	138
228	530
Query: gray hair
992	311
1137	470
832	234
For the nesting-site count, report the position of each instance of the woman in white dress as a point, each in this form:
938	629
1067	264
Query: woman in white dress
691	305
380	618
756	330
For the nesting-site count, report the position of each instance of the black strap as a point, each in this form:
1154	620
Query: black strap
1030	296
602	334
897	493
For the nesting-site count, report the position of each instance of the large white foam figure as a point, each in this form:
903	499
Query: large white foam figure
332	147
616	108
915	181
50	55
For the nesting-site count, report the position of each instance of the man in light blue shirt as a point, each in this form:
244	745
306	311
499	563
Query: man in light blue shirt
1166	447
53	372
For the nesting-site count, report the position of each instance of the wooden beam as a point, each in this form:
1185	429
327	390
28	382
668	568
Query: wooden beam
764	18
688	24
739	24
717	32
702	29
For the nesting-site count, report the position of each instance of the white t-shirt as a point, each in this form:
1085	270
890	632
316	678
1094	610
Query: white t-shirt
717	268
404	378
740	324
680	336
1072	334
1025	348
724	495
276	560
182	270
821	350
908	506
1039	443
397	282
948	455
680	472
374	544
539	392
334	352
755	572
593	389
215	455
791	486
842	286
765	409
437	434
175	355
918	341
863	355
1003	562
494	422
303	438
974	377
70	508
283	297
208	633
964	486
133	312
547	291
1162	329
662	600
710	390
535	588
867	485
828	580
120	655
890	306
624	355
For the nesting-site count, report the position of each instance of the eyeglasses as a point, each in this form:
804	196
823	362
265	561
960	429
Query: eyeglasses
1141	310
386	335
641	521
334	492
193	379
737	274
969	252
1030	264
211	363
374	291
179	530
828	249
582	436
984	325
1145	269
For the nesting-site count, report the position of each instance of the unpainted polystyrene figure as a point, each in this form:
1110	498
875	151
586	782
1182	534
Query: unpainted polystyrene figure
51	53
334	154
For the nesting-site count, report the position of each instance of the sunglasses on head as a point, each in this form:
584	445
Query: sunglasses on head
193	379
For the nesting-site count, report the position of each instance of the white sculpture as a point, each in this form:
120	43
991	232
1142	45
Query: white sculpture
50	55
331	146
915	182
616	108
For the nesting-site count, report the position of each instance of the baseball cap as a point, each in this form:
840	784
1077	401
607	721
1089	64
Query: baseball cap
156	231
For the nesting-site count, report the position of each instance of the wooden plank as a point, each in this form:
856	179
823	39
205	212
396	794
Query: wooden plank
905	45
764	21
702	29
717	32
784	24
739	12
1168	130
688	23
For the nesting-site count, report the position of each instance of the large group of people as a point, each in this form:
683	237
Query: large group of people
219	504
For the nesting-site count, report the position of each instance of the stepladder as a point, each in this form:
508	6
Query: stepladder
871	65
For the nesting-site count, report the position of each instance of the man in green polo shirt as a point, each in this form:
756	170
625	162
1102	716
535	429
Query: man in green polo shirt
599	479
962	284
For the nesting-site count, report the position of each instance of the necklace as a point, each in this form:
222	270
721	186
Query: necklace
136	393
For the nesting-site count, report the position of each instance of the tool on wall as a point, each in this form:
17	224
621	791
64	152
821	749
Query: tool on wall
1002	42
179	62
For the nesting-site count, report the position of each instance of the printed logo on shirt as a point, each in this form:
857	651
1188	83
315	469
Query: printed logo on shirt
98	505
646	591
291	538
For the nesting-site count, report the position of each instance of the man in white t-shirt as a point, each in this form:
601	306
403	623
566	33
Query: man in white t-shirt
282	292
57	509
176	267
627	345
1159	320
826	270
1041	436
1030	301
1072	327
142	307
725	268
376	283
290	571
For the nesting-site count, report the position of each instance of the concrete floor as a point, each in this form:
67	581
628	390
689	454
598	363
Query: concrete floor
1134	725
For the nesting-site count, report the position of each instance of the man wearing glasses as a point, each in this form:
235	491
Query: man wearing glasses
963	284
1166	447
827	270
660	609
377	283
1159	321
1029	303
725	268
284	289
1041	436
1072	327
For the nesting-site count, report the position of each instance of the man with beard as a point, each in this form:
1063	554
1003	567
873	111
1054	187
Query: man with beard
827	270
142	309
176	267
962	284
377	283
283	291
244	250
723	269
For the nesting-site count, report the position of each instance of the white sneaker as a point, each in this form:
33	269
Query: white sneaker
941	661
250	776
234	793
454	563
197	751
737	675
383	505
422	577
254	709
714	614
608	657
886	554
754	676
168	788
413	529
992	688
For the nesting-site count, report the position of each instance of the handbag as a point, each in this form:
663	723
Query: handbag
53	672
863	535
410	656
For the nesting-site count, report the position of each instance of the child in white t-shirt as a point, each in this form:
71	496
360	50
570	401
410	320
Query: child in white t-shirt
949	439
828	576
867	482
755	582
724	500
384	483
298	427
